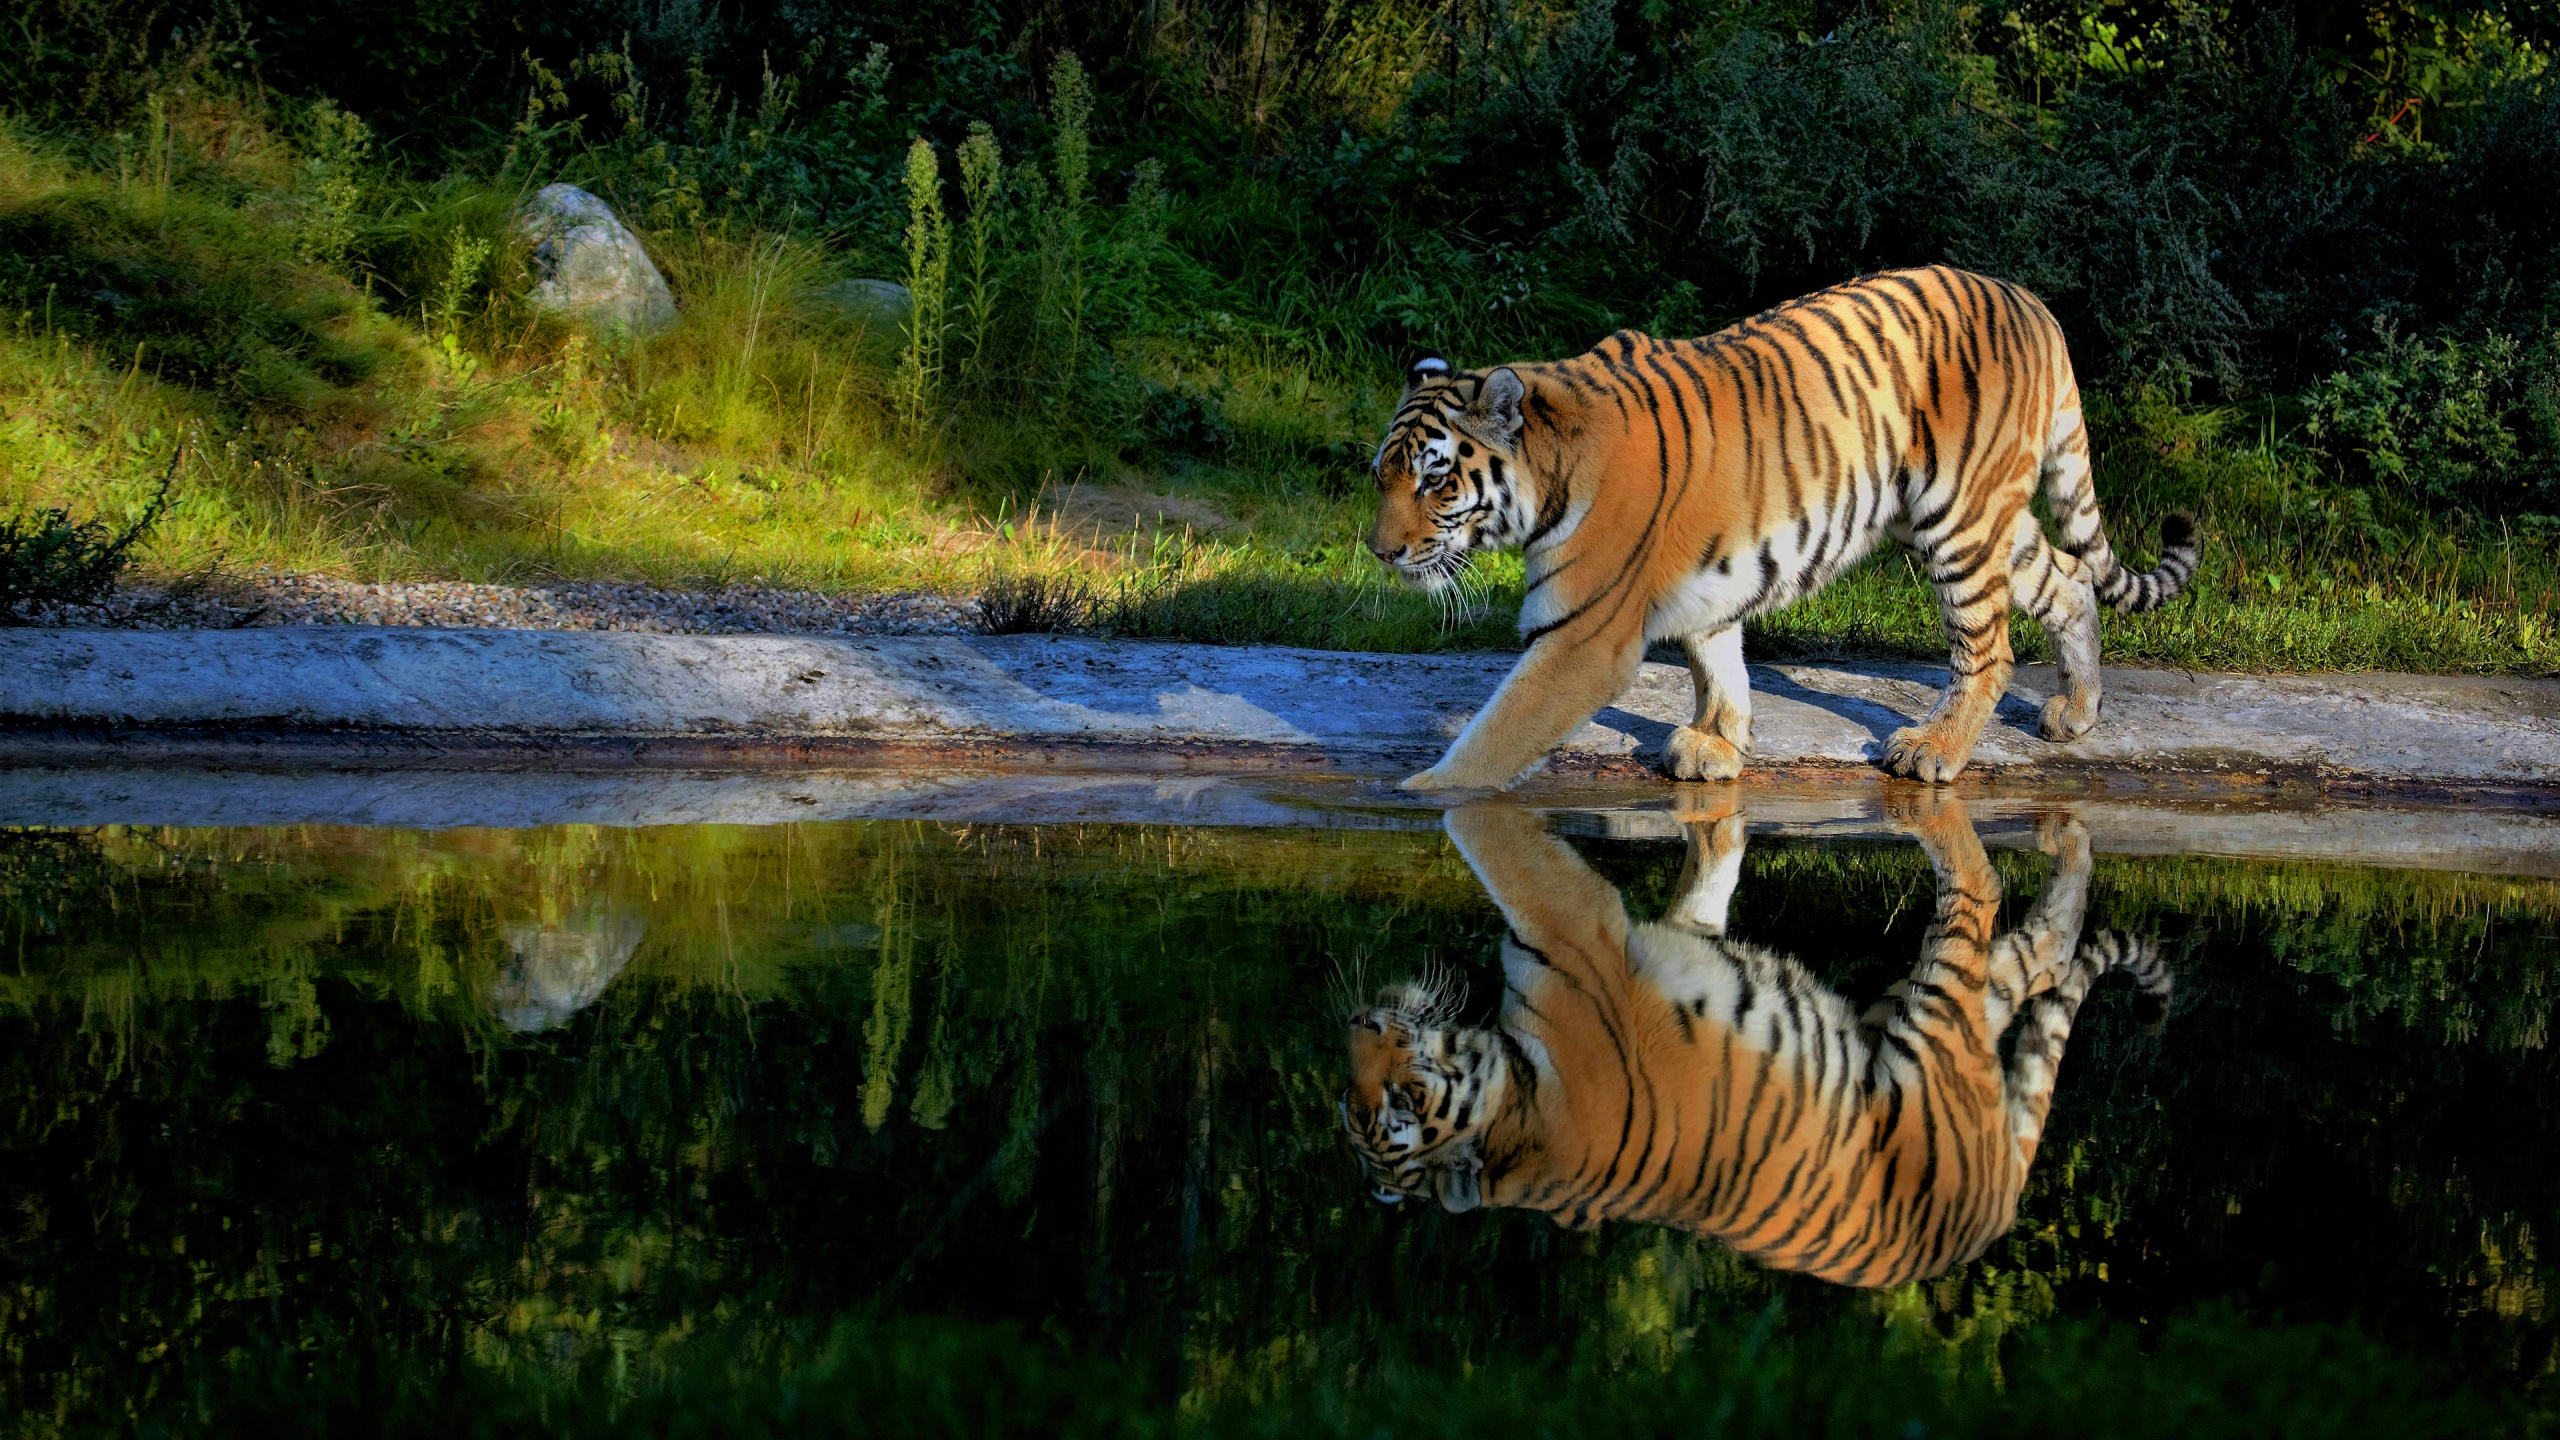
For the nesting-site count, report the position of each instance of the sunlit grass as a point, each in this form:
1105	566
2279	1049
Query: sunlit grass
343	426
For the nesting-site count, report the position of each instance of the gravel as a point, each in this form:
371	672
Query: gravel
564	605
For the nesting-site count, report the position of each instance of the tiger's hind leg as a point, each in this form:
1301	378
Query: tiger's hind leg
1714	745
1972	581
2055	588
2046	1026
2058	971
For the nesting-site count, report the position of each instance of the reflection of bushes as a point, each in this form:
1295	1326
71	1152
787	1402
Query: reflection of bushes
895	1064
45	874
2203	1377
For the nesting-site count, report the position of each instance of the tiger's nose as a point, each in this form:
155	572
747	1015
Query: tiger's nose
1386	553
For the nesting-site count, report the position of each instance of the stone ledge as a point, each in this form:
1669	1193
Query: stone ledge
389	690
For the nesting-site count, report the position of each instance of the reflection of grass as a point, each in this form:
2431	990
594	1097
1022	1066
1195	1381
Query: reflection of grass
2195	1378
212	913
724	1117
737	908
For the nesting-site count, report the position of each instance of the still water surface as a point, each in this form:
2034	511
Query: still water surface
565	1097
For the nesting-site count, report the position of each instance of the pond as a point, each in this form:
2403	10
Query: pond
908	1127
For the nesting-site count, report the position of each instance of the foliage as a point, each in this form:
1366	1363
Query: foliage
2458	420
1158	298
48	559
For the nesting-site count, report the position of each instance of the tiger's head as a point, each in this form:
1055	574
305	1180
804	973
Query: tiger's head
1421	1093
1450	479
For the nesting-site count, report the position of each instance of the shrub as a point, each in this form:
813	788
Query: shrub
2458	420
1037	605
49	559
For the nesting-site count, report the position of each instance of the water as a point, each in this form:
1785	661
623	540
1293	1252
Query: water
572	1107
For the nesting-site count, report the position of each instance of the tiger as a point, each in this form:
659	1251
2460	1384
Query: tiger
1673	489
1668	1073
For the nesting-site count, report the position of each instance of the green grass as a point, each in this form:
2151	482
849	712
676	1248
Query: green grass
387	418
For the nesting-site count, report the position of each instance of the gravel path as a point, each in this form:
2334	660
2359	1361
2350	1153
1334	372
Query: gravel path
563	605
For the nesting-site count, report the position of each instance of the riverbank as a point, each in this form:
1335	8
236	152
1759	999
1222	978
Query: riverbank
339	694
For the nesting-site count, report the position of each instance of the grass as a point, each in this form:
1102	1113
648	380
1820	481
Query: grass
403	415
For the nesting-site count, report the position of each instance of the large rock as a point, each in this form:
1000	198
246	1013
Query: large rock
881	305
589	266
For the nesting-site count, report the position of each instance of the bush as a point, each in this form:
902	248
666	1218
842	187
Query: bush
2457	420
49	559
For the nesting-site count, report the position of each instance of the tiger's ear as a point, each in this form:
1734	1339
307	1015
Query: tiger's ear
1500	402
1429	367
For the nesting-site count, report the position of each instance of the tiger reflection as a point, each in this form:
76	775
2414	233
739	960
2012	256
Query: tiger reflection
1665	1073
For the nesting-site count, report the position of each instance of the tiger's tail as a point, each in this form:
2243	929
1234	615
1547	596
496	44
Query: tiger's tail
2084	535
2140	958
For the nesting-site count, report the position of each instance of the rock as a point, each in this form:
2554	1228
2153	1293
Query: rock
872	304
588	266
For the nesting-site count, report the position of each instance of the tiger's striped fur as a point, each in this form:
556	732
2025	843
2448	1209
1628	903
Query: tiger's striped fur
1670	1074
1672	489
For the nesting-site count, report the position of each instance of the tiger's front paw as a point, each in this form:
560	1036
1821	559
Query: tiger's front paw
1425	780
1916	754
1695	754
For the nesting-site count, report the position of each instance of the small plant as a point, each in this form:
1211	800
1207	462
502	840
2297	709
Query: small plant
336	143
49	559
982	187
1139	244
146	176
1071	157
1037	605
928	273
465	253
